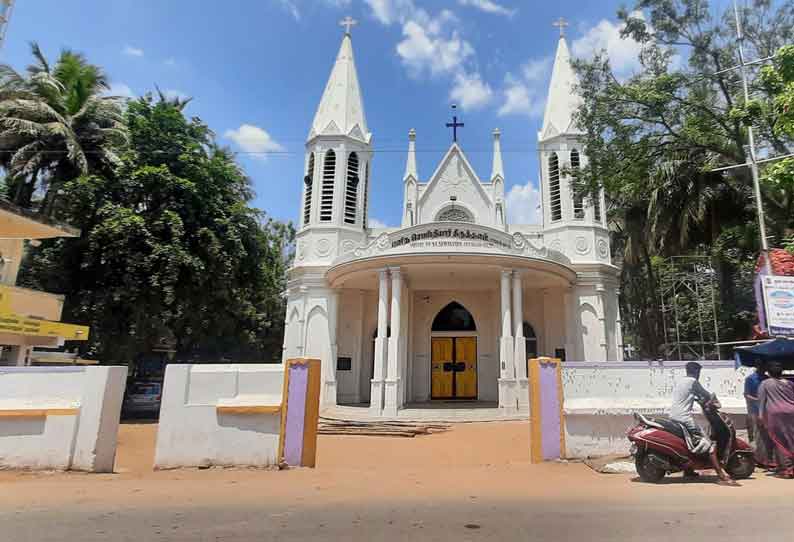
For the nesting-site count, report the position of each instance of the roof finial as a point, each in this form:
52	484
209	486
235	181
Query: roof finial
348	22
561	23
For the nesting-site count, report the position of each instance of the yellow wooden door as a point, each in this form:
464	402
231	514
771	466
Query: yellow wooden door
466	379
441	368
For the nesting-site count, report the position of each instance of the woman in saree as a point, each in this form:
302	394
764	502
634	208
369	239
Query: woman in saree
776	409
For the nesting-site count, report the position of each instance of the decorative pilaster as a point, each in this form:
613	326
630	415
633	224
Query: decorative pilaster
520	349
391	401
379	371
329	360
507	382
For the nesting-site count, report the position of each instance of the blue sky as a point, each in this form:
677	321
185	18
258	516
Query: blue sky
256	70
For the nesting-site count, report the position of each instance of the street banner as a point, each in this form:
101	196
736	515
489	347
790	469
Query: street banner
778	292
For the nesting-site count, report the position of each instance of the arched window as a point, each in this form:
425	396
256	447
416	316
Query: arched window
555	205
307	191
597	207
454	317
351	189
578	201
454	214
365	218
327	194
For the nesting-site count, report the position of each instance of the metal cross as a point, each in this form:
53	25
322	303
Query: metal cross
348	22
561	24
455	125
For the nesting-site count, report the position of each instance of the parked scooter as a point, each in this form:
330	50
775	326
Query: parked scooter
659	446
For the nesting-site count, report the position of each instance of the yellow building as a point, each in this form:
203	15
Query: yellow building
28	318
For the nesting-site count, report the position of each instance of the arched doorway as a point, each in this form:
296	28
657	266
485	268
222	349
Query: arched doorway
453	361
531	342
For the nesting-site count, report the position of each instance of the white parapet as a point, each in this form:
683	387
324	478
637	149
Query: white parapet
224	415
60	417
601	398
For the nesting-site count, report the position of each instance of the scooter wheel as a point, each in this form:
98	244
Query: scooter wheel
647	470
740	466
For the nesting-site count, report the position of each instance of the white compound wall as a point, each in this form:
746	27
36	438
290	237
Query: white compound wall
60	417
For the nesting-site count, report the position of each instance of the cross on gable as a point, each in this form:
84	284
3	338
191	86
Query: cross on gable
348	22
455	125
560	23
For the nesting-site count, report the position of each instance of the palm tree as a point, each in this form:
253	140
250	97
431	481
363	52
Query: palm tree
56	124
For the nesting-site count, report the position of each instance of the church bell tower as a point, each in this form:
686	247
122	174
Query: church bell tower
334	200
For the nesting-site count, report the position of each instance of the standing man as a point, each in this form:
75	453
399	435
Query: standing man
687	390
776	409
751	385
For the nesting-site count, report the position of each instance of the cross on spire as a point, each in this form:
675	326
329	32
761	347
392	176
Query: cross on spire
561	23
348	22
455	125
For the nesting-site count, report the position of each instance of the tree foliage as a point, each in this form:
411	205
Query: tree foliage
170	248
659	140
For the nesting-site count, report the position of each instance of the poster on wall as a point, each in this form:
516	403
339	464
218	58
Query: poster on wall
778	292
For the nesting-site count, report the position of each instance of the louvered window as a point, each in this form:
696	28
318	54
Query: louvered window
597	207
554	187
307	191
578	201
327	195
351	189
364	222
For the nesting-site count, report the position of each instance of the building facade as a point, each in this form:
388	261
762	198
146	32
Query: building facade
451	304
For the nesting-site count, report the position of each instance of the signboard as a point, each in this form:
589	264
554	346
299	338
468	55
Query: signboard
778	292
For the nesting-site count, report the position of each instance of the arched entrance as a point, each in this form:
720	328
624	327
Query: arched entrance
453	372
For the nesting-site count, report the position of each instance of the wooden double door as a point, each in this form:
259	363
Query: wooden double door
454	368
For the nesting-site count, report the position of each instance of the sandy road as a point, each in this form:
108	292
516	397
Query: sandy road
472	483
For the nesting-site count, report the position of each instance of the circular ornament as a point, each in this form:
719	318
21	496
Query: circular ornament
323	248
603	249
582	246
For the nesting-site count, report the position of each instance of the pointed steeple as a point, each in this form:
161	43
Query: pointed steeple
498	169
410	162
341	109
562	101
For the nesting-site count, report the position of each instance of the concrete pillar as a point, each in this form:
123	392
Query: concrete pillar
572	323
507	383
520	350
391	401
329	392
379	372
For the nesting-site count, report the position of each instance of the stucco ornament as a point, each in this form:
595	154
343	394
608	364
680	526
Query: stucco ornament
383	242
347	246
603	249
519	241
323	247
454	214
301	250
581	245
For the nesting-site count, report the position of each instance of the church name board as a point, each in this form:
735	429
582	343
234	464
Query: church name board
457	235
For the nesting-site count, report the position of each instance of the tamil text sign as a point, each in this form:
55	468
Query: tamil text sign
779	304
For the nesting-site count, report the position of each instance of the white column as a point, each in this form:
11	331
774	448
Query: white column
507	383
329	393
379	371
618	328
520	351
602	316
391	401
572	323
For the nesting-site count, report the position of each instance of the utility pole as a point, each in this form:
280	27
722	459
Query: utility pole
6	6
751	141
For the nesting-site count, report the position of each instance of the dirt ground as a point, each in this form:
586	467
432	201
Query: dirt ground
473	482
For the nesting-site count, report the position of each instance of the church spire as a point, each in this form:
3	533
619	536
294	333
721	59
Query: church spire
341	110
562	101
497	170
410	162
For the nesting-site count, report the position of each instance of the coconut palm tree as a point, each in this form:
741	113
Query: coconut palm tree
56	123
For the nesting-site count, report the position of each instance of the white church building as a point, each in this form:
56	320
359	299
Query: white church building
451	304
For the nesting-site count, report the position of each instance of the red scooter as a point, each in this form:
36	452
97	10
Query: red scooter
659	446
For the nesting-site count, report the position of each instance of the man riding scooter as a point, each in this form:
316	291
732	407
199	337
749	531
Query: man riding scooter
687	390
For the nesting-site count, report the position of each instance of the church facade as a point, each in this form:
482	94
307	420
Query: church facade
451	304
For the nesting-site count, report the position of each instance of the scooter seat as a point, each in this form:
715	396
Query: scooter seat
665	424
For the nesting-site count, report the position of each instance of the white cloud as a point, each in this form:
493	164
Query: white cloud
375	223
129	50
338	3
253	139
292	8
470	91
170	61
488	6
605	36
526	94
120	89
429	46
391	11
523	204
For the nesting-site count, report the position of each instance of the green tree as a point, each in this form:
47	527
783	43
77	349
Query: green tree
170	248
56	124
657	141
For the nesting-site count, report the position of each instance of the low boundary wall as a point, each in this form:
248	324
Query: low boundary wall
224	415
60	417
601	398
